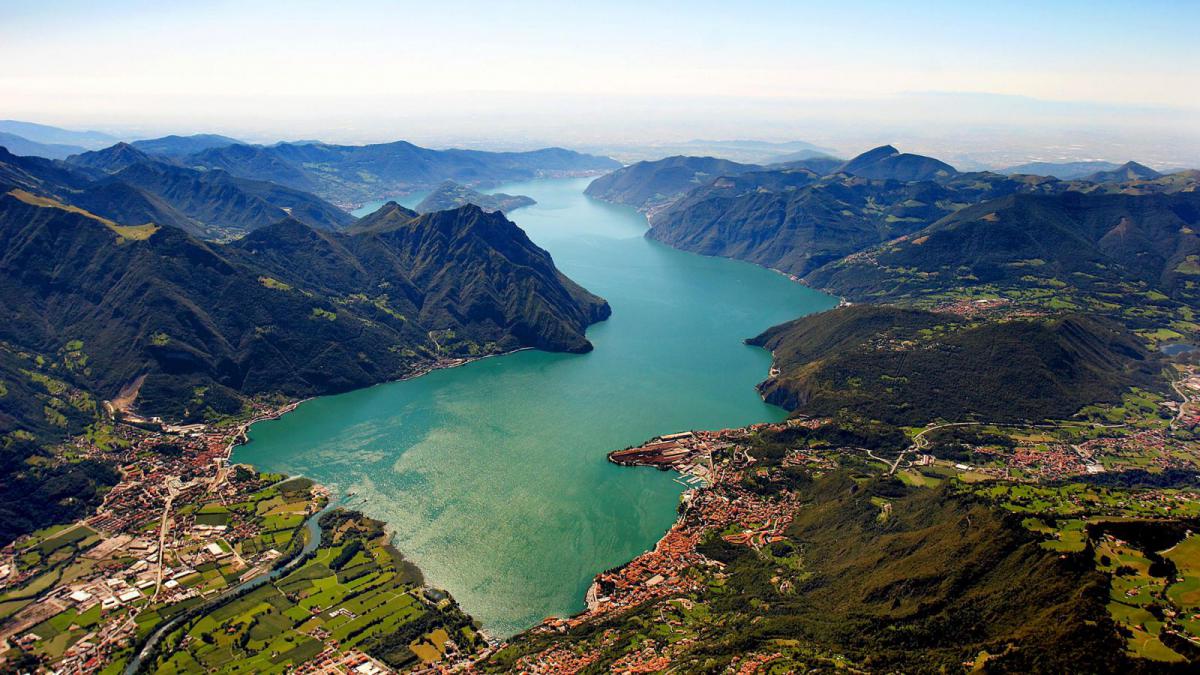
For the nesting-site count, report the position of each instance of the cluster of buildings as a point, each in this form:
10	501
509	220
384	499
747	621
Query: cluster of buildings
146	550
650	658
973	308
654	574
334	661
670	569
1051	462
755	662
557	661
1152	445
1188	412
688	453
675	567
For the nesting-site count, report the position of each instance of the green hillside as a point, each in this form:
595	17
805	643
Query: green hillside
910	367
286	310
936	581
450	195
1130	256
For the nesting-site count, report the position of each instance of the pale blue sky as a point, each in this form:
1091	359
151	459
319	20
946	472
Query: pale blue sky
619	67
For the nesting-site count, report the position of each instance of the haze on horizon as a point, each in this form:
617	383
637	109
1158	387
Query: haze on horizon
1104	79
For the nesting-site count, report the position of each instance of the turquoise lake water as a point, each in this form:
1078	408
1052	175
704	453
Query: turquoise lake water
493	475
410	200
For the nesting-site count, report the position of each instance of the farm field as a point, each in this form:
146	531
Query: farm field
355	591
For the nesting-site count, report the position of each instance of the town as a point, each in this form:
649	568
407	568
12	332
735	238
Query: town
1024	473
181	532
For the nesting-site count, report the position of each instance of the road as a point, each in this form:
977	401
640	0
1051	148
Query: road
920	443
1185	399
162	539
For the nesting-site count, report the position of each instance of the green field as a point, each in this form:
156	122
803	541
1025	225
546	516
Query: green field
353	589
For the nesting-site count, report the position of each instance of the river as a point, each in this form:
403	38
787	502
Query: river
493	475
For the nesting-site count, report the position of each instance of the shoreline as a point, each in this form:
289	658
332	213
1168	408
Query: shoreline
242	438
709	464
341	499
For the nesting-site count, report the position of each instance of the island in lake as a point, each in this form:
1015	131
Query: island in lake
450	195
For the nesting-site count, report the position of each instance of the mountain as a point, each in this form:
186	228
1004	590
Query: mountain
39	175
910	367
1129	171
389	216
226	205
801	155
121	202
797	221
41	133
647	185
111	159
869	576
450	195
1061	170
888	163
211	204
261	163
1120	254
23	146
742	151
179	146
352	174
287	309
819	164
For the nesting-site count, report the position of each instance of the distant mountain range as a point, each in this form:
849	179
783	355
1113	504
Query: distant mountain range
888	163
181	146
1061	170
19	145
350	175
125	185
652	185
218	188
451	195
347	175
1129	171
45	134
741	151
797	219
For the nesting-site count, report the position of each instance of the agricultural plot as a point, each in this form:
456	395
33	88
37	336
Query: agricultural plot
351	591
108	580
1140	538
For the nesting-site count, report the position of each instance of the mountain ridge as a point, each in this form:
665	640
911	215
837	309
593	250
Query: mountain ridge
287	309
335	172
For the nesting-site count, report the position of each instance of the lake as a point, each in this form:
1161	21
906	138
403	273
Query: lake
493	475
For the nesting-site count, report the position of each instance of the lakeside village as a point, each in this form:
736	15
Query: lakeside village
721	473
183	529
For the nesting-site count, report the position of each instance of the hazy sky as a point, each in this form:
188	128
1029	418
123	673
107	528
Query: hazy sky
603	71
